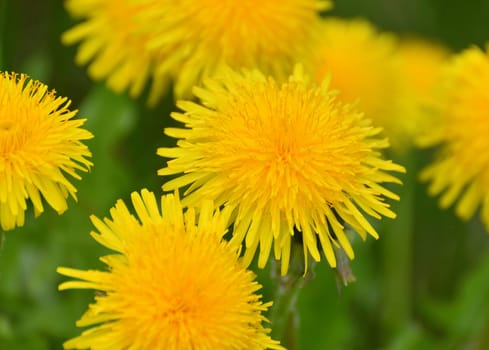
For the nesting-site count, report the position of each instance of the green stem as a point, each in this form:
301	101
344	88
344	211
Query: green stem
397	255
2	240
284	316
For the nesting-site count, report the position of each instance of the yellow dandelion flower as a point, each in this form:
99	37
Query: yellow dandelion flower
112	45
284	158
129	41
196	37
421	67
362	66
173	283
460	173
40	142
421	62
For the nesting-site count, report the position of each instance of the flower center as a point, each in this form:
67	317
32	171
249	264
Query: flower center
177	313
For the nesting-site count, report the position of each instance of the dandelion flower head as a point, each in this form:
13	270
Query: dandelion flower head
112	45
283	158
460	172
362	66
194	38
421	63
173	283
40	143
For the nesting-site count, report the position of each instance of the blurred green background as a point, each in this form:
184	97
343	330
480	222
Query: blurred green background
423	285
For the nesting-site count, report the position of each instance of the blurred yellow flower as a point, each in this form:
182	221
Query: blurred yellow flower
421	63
112	44
362	65
128	40
460	172
40	142
284	158
173	283
196	37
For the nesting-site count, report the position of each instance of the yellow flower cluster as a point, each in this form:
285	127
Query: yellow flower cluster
129	42
275	156
387	77
286	118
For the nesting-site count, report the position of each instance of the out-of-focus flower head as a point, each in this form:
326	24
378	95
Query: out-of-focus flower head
40	143
128	41
197	37
362	65
460	171
421	63
112	45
